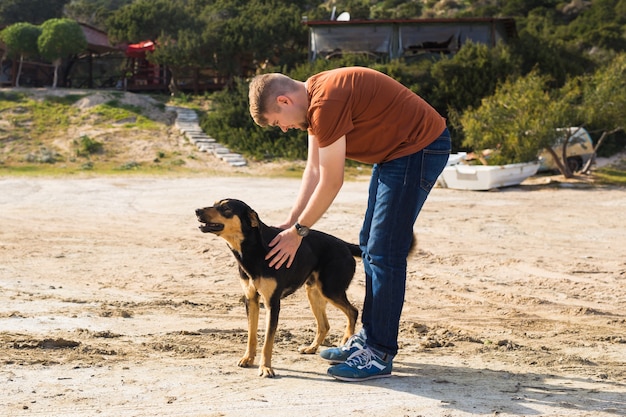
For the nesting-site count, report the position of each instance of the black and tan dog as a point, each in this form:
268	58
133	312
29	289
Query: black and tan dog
323	263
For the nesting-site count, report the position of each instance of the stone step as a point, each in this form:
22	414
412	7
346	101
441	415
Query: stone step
241	163
199	137
220	150
206	147
187	123
228	157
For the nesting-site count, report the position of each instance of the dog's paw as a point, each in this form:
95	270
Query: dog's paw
246	362
308	350
266	372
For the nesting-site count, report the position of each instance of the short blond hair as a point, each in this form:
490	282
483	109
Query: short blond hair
262	94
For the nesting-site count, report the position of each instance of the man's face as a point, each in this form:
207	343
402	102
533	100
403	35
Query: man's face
290	116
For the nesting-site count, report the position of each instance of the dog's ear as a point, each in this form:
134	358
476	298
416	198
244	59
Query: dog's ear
254	218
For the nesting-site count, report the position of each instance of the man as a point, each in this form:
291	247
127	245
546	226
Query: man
364	115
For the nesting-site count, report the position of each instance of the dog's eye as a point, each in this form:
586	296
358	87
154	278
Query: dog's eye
226	211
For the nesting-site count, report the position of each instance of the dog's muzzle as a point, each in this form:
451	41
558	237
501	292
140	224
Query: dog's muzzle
207	226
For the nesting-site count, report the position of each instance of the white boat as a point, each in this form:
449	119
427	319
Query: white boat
485	177
456	158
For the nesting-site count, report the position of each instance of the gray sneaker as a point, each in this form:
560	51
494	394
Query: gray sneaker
342	353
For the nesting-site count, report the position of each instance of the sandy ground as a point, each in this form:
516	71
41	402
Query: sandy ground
112	303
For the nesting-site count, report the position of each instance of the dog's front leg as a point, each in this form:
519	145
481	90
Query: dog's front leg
252	312
271	323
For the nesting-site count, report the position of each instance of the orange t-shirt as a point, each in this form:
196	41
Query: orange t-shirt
382	119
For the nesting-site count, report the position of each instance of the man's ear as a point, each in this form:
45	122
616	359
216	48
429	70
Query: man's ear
283	99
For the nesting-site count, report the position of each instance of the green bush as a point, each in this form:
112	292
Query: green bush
43	156
88	146
230	124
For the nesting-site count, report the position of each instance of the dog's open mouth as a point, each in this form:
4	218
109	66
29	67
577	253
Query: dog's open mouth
211	227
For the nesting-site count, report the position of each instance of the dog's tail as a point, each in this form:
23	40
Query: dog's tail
413	244
356	251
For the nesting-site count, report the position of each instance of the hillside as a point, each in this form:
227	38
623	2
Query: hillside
72	131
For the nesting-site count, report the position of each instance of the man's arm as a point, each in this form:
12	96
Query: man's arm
332	160
331	165
310	179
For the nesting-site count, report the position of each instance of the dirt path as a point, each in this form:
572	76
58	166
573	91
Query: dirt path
114	304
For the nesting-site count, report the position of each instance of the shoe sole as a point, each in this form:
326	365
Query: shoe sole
367	378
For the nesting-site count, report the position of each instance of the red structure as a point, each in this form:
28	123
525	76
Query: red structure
140	74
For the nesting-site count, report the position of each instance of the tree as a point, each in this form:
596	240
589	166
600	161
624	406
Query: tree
60	38
21	40
144	20
187	50
249	35
599	25
93	12
358	9
31	11
519	120
175	27
232	37
551	57
523	7
408	10
473	73
604	100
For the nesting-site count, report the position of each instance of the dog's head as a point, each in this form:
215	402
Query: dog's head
230	219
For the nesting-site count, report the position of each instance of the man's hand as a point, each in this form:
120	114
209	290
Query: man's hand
284	247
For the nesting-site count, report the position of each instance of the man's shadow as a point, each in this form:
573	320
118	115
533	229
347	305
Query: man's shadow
486	391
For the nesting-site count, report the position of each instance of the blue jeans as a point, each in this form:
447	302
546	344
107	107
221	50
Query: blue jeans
397	192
